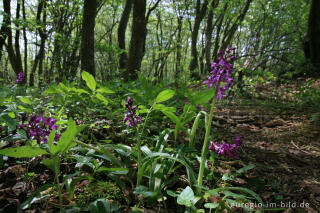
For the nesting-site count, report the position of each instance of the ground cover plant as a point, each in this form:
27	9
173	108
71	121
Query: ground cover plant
212	107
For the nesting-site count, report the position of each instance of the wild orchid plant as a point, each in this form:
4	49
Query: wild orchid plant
20	78
42	130
39	128
221	79
132	120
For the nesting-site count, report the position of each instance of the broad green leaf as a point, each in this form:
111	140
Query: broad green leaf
152	158
12	123
51	138
172	193
241	189
25	100
102	98
105	90
100	205
116	171
172	116
12	115
165	95
53	164
146	150
202	97
159	107
142	109
79	91
246	168
226	176
66	138
186	197
3	94
23	152
211	205
89	79
144	191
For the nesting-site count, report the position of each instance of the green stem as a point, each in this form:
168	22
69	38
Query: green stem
139	143
56	172
205	147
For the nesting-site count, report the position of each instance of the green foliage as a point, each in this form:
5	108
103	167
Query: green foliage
308	95
103	206
65	142
89	79
96	190
187	198
23	152
164	96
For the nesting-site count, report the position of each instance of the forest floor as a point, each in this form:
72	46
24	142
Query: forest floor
284	144
282	141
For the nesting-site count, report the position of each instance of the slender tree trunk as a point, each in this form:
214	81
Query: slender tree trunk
235	25
178	60
217	38
43	36
87	35
4	31
138	37
208	33
138	33
122	34
11	53
200	13
17	38
25	42
38	55
313	34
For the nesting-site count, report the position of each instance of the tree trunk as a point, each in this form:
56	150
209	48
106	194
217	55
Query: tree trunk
38	55
178	60
200	13
43	36
16	42
87	35
25	42
4	31
208	33
217	39
122	34
235	25
138	33
313	35
17	67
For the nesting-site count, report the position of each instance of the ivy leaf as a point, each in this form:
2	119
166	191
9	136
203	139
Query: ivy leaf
89	79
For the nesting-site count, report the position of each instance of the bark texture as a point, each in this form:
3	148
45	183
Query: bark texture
122	34
138	34
87	36
314	35
200	14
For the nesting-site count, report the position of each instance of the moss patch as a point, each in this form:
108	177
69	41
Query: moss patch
99	189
